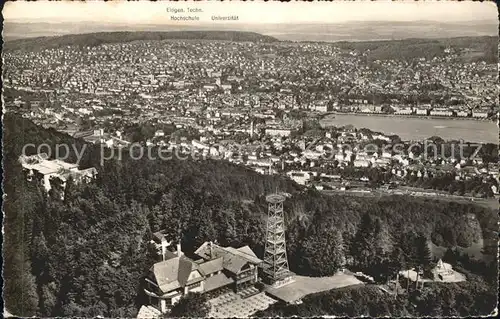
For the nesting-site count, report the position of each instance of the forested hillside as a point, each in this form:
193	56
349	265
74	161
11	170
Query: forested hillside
408	49
471	298
98	38
85	255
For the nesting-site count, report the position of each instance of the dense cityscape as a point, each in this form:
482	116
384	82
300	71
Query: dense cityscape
245	102
180	77
222	174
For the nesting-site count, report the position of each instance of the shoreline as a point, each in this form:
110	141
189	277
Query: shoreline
410	128
426	117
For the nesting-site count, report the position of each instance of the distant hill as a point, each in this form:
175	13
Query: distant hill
379	30
94	39
483	48
479	48
328	32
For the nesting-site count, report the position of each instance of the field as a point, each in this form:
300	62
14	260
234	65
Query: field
302	286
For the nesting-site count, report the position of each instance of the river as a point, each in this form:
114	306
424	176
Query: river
409	128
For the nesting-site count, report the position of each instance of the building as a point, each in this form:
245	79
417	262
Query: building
148	312
405	111
170	279
209	87
159	133
442	271
373	109
361	163
463	113
199	145
320	106
299	177
421	111
264	162
312	155
227	266
276	131
252	128
382	162
227	88
441	112
480	114
217	268
40	168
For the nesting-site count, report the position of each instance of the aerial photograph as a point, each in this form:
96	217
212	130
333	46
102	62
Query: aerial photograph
250	159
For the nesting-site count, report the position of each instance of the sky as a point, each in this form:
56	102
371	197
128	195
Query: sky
256	12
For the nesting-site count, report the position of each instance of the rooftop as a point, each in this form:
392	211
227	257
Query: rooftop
217	281
211	266
173	273
233	259
148	312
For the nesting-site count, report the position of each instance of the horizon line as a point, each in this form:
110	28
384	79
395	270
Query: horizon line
232	30
41	20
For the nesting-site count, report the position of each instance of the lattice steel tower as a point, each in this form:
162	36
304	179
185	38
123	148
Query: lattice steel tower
275	266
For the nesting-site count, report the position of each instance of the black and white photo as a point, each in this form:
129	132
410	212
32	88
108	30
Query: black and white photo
250	159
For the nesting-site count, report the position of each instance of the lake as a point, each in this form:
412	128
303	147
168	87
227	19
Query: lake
410	128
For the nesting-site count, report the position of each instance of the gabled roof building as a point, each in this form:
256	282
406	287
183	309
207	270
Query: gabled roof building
217	268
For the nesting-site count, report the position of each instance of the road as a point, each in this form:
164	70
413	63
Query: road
416	192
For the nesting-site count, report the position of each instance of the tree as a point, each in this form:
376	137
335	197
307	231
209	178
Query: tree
362	246
324	251
20	291
191	305
48	298
393	265
450	256
206	232
422	256
407	244
371	242
382	239
68	189
57	189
